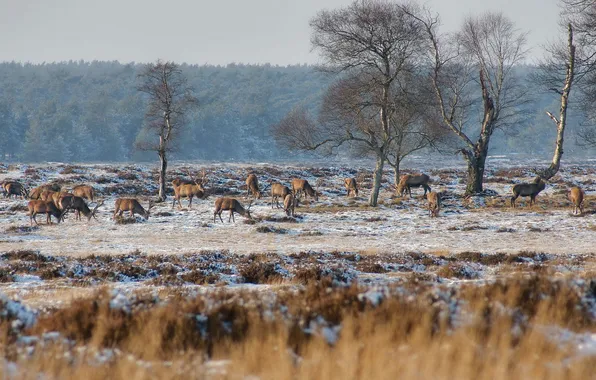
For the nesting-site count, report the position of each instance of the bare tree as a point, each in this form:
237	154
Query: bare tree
480	59
170	99
372	43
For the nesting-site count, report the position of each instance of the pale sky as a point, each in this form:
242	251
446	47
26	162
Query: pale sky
209	32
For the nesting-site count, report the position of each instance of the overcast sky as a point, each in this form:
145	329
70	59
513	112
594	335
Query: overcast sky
208	32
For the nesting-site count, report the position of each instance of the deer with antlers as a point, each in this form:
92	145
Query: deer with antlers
189	190
133	206
68	201
231	204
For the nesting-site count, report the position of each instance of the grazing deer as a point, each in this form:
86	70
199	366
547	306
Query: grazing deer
528	190
36	193
43	207
576	196
302	186
84	191
278	191
133	206
434	203
351	186
407	181
252	186
69	201
290	204
14	188
184	189
233	205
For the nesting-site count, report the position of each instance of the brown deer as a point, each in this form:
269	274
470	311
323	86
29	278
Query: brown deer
43	207
576	196
252	186
68	201
184	189
133	206
47	195
434	203
300	186
407	181
528	190
278	191
290	204
84	191
233	205
14	188
351	186
36	193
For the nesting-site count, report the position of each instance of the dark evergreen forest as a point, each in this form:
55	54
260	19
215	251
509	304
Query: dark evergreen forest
92	111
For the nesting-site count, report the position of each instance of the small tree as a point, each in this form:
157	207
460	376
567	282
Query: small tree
480	59
170	99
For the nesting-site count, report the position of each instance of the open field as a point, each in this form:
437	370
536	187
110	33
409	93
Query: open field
341	291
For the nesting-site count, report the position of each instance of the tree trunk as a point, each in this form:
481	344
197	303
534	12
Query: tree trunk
396	172
476	164
374	195
163	165
562	121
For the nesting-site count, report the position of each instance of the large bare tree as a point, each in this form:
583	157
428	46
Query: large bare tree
169	100
372	44
478	60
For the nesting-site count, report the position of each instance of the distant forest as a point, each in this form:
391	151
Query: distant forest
92	111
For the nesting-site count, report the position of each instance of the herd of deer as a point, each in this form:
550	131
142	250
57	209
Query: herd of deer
53	201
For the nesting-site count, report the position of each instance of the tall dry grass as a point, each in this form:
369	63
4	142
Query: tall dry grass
509	329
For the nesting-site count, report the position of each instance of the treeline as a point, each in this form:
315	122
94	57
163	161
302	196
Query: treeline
92	111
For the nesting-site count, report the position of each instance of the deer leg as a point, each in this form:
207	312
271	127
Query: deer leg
219	213
174	201
190	202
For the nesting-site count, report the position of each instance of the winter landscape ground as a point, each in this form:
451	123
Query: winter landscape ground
342	290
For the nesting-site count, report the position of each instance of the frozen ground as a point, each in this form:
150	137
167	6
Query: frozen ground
333	223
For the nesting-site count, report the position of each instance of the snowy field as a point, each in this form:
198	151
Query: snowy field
338	246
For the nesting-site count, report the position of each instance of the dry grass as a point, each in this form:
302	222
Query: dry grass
504	330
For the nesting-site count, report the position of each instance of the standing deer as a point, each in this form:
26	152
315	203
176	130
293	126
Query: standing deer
233	205
43	207
70	201
278	191
351	186
407	181
434	203
252	186
290	204
84	191
528	190
184	189
14	188
576	196
133	206
302	186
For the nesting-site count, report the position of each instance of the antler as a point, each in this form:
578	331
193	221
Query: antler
99	204
249	204
191	176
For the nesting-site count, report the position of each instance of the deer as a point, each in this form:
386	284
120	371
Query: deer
231	204
278	190
252	186
14	188
302	186
188	190
36	193
133	206
576	196
407	181
351	186
434	203
47	195
84	191
43	207
290	204
69	201
528	190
